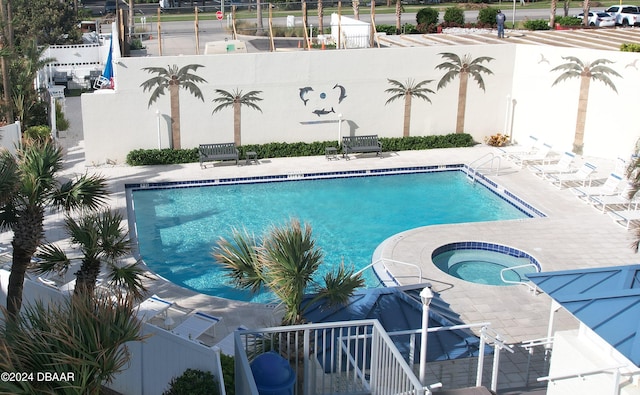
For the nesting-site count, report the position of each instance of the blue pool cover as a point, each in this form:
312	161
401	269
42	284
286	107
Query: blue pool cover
400	309
607	300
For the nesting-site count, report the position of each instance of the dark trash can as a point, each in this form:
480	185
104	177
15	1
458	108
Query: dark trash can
273	375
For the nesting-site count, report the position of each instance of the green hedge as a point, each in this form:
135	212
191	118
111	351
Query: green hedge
142	157
569	21
536	24
630	47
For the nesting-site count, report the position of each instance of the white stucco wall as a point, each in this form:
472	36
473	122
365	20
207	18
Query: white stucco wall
117	122
580	352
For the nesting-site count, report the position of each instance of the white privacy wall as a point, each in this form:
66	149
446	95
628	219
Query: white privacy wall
550	112
116	122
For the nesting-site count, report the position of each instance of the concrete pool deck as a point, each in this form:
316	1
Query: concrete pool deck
573	235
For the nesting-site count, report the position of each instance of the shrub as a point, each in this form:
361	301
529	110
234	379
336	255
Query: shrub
62	123
165	156
193	382
389	29
427	16
38	133
228	369
168	156
569	21
630	47
454	15
487	16
536	24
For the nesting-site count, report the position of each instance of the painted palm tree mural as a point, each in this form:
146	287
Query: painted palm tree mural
586	71
464	68
236	100
173	78
407	92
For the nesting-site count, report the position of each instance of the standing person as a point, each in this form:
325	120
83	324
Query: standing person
500	18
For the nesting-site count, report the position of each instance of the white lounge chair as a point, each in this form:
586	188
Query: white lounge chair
625	217
563	166
529	146
196	325
151	307
226	345
601	202
65	288
581	176
536	157
610	187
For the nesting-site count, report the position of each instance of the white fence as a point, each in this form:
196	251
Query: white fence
355	357
161	357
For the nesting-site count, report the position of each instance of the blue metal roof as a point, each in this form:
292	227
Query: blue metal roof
607	300
398	309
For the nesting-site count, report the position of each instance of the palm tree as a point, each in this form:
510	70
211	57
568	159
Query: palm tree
285	262
552	15
407	92
398	17
586	71
35	189
320	16
102	240
68	338
23	72
236	99
464	67
173	78
355	4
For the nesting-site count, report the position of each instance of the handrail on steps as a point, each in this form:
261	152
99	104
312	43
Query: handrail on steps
490	157
532	288
392	261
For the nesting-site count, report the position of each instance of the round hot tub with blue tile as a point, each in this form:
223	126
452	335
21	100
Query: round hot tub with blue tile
485	263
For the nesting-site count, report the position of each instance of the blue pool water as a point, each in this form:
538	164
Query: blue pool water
483	263
350	217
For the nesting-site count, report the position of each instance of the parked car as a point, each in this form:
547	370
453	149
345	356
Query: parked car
600	19
626	15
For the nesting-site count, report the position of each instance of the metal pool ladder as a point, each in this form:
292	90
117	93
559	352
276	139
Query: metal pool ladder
490	157
532	288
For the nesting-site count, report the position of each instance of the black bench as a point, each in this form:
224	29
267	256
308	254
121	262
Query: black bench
213	152
361	144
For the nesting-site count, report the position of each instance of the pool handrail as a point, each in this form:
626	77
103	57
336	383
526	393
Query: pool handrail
532	288
382	260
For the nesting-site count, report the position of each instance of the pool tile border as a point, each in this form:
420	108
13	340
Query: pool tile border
492	186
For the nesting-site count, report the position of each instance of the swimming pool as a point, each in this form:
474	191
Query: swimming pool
176	225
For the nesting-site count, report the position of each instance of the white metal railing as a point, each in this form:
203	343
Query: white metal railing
488	335
383	260
613	370
355	357
532	288
489	157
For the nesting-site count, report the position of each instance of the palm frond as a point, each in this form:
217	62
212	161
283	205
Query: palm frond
128	279
51	259
339	286
452	57
239	259
448	77
9	177
87	191
606	80
193	89
480	59
565	76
